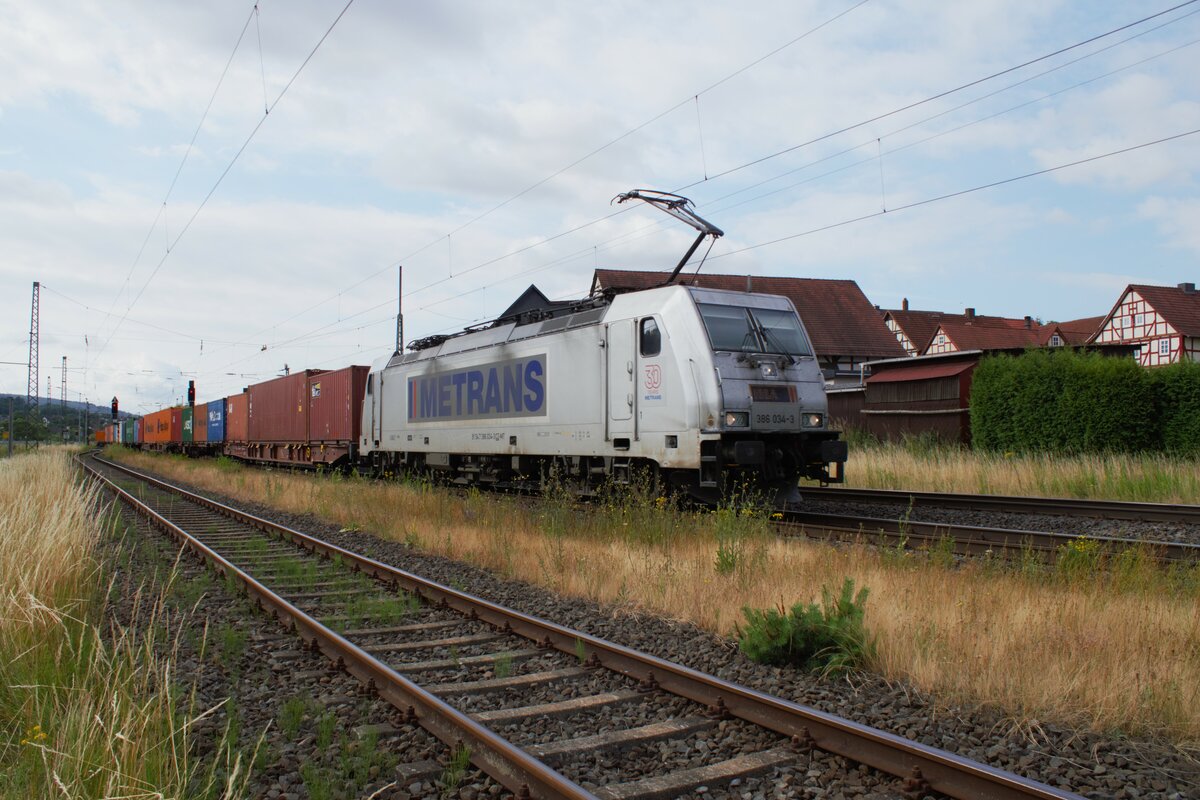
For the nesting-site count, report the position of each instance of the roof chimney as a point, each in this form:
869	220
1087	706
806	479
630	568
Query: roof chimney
1028	322
970	313
1188	288
904	304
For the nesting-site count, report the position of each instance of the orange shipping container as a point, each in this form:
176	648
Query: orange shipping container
237	419
161	427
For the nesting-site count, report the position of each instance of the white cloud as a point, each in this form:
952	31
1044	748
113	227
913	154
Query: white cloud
414	119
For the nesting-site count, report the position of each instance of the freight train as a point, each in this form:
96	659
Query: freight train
707	391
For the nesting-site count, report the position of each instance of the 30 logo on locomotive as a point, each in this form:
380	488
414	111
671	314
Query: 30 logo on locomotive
513	388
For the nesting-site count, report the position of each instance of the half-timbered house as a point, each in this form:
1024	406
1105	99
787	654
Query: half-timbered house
1161	324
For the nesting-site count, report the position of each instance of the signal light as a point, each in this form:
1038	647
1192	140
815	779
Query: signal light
114	408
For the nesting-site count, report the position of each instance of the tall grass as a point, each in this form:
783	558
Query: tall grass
920	465
86	709
1114	649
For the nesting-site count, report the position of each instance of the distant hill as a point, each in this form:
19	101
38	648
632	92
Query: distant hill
52	420
46	404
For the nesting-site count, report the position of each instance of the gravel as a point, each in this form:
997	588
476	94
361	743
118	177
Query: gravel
1073	526
1093	764
314	720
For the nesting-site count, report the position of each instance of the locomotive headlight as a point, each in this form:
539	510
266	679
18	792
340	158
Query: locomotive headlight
769	369
737	419
812	420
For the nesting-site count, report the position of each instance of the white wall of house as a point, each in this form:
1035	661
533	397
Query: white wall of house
941	343
1135	322
901	337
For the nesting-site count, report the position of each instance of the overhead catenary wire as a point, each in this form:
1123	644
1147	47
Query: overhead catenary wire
929	200
959	193
183	161
225	171
492	261
793	148
580	160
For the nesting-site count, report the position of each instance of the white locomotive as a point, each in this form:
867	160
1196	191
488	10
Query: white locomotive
706	388
709	390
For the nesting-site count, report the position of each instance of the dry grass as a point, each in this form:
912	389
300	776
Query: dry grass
84	711
918	467
1114	649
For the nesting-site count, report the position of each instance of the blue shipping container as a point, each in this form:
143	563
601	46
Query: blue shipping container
216	420
137	430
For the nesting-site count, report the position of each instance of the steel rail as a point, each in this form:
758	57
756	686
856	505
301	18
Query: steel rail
976	540
512	767
1057	506
925	768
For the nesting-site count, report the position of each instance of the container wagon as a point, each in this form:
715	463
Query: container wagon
215	423
277	430
237	425
335	400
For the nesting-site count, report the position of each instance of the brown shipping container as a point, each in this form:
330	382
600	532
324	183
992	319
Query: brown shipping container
176	425
237	422
335	401
200	423
156	427
279	409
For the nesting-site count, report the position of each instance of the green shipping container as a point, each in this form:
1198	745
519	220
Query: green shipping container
188	414
127	432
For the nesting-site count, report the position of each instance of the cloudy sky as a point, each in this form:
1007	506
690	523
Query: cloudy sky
179	231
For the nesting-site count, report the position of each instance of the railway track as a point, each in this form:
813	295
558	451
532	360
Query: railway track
388	628
1057	506
967	540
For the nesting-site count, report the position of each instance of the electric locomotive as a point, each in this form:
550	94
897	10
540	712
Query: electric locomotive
709	389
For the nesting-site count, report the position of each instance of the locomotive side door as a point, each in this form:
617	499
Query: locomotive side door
375	397
620	357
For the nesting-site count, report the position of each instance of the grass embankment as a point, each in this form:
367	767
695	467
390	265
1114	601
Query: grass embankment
920	466
1114	649
86	710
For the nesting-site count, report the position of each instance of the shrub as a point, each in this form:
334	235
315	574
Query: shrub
829	638
1178	391
1064	401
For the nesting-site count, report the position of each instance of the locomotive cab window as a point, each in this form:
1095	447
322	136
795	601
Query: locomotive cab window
651	338
754	330
371	383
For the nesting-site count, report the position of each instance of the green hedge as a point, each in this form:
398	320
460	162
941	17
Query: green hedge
1065	401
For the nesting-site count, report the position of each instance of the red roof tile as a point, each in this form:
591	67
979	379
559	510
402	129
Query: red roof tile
1181	309
838	316
983	334
920	326
1073	331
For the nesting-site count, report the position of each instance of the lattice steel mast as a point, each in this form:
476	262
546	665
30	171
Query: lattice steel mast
31	393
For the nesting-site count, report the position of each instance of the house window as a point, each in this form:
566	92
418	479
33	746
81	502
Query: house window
1164	347
1056	341
941	339
1140	319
